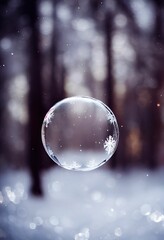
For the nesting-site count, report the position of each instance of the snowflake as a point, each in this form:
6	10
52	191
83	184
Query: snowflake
109	144
111	118
71	166
48	118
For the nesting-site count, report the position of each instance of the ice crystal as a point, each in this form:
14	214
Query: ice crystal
48	118
109	144
50	151
73	165
111	118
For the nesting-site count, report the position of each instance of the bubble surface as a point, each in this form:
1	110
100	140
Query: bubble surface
80	133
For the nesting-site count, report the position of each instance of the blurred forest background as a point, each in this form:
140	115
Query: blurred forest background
112	50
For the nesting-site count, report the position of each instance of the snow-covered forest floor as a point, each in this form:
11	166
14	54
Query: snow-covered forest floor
96	205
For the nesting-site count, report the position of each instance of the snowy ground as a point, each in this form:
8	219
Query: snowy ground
96	205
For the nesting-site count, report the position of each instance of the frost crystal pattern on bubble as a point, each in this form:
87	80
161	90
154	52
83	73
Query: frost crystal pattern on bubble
73	165
48	118
50	151
111	118
77	127
109	144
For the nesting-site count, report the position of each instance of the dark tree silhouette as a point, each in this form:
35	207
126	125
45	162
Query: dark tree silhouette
37	107
158	74
6	30
106	25
2	82
35	97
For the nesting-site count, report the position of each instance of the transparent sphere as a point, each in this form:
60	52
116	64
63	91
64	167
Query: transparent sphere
80	133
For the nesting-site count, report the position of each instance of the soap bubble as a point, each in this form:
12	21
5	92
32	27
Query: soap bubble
80	133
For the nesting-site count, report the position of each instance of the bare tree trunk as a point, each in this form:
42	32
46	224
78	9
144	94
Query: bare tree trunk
5	29
35	101
158	75
54	91
2	103
109	82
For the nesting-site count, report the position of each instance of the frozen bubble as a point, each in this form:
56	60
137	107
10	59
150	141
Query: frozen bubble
80	133
118	232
